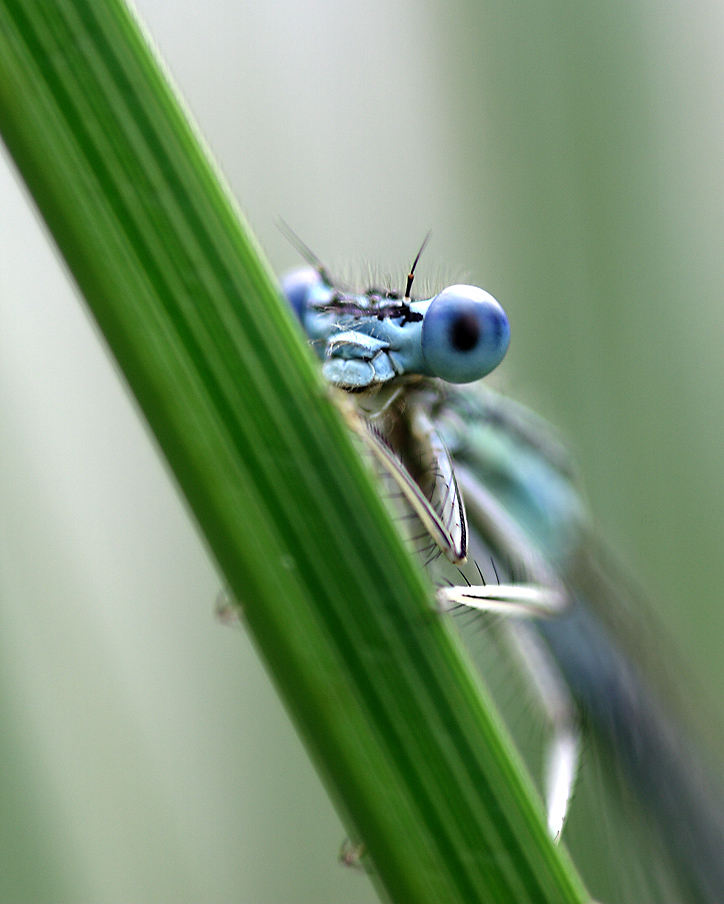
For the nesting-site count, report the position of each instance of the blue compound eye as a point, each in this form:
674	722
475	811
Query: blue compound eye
465	334
297	286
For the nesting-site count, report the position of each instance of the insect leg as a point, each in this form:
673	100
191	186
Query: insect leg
512	600
563	751
543	594
447	527
539	595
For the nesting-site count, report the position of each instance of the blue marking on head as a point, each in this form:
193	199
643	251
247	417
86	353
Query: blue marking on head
459	335
297	285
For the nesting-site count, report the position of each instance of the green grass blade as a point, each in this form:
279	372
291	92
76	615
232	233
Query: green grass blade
375	682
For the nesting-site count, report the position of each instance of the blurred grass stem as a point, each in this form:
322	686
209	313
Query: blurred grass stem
376	684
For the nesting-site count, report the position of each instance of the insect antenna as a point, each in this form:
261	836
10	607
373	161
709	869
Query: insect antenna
306	252
411	274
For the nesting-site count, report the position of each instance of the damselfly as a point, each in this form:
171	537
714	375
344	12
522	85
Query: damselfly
489	497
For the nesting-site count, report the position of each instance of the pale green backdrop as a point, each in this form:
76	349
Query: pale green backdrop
568	157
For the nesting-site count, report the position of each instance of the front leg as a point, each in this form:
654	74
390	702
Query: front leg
551	693
542	595
510	600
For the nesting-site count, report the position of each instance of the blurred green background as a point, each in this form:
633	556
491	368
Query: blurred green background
568	157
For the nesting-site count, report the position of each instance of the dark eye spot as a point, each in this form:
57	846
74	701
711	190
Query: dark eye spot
465	332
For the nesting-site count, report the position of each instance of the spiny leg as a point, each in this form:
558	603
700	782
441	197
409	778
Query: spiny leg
542	596
539	595
510	600
563	751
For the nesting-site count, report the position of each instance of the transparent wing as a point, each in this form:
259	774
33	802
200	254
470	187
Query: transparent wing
647	822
